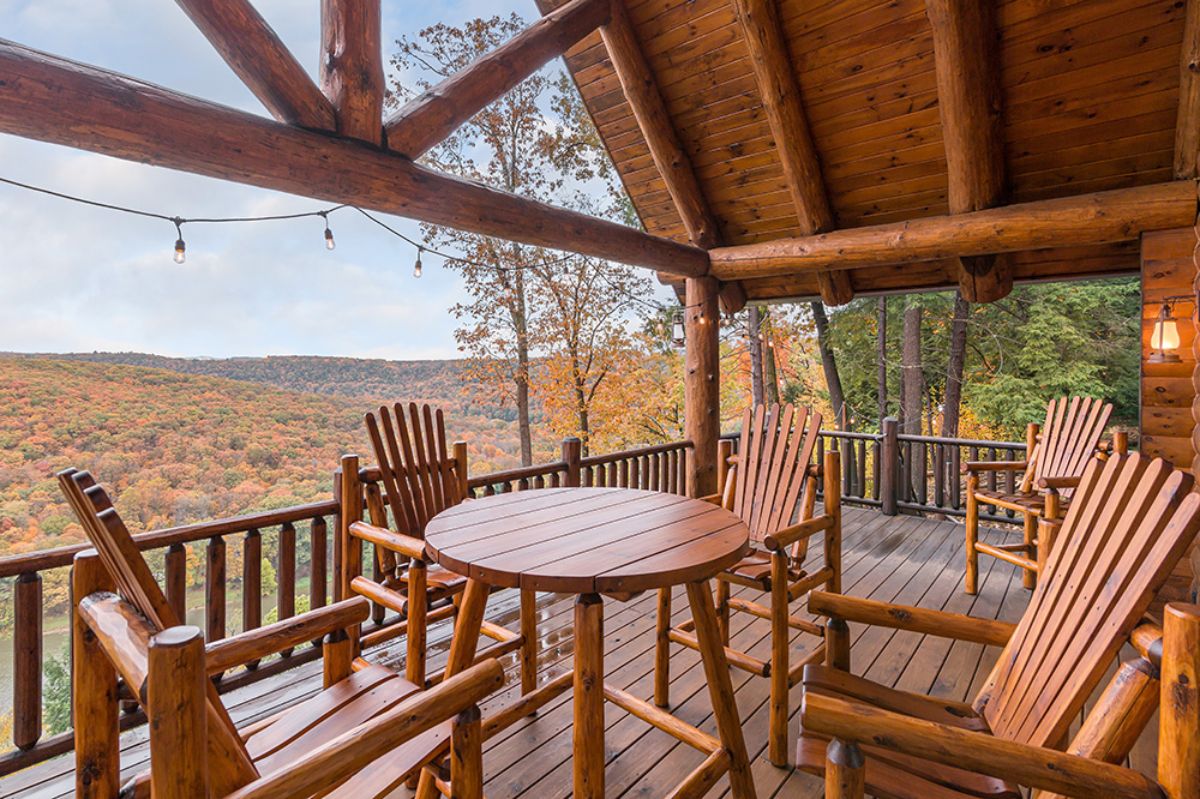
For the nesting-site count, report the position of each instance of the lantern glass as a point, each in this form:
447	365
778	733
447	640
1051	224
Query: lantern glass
1165	335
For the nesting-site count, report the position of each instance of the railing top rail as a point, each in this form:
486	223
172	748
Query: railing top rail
522	473
58	557
597	460
853	435
962	442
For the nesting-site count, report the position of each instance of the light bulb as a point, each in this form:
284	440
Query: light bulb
180	251
329	245
417	265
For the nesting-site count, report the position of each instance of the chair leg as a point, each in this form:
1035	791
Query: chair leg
1028	576
466	756
780	632
723	610
662	650
529	641
418	605
972	531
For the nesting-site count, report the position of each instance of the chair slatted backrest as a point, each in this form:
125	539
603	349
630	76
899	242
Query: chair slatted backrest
229	763
772	466
415	468
1068	440
1131	521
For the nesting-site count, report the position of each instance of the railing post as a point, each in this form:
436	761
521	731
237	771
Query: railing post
1179	720
461	467
572	454
27	660
724	453
889	466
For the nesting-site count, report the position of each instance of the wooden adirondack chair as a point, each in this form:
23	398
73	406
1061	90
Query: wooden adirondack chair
420	479
1131	521
1058	451
361	737
769	476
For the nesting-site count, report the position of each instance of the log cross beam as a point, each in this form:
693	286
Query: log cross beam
427	120
969	102
654	121
56	100
257	56
784	108
1097	218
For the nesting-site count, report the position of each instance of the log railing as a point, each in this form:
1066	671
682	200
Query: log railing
228	550
895	471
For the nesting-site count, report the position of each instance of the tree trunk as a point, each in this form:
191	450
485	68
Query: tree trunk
881	386
769	377
833	380
521	327
912	381
954	369
754	331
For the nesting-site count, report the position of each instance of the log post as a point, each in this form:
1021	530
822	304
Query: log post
724	453
351	512
845	770
93	691
352	67
27	660
214	589
572	454
1179	707
702	400
1187	123
462	469
176	701
889	466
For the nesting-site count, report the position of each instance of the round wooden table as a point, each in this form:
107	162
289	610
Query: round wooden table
592	542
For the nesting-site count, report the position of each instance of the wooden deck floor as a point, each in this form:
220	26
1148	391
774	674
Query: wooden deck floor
903	559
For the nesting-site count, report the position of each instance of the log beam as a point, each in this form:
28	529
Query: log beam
352	67
970	103
1187	123
429	119
256	55
763	32
52	99
1098	218
650	111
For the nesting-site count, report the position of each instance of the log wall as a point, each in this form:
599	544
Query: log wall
1167	390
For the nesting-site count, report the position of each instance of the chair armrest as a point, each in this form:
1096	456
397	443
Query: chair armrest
399	543
904	617
329	764
237	650
715	499
1030	766
1046	483
784	538
994	466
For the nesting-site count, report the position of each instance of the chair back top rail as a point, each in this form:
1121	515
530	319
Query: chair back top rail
1131	521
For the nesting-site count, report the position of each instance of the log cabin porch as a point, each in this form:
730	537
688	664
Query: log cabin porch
904	559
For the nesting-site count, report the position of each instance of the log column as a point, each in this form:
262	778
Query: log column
352	66
702	412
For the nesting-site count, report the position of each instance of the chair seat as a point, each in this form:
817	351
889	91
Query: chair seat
756	568
1034	503
891	775
440	581
336	710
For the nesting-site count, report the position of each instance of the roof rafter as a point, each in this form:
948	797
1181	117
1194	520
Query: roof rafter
53	99
654	121
784	107
970	102
1187	124
256	55
1098	218
352	66
427	120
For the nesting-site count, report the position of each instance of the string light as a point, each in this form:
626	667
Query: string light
417	265
180	246
329	243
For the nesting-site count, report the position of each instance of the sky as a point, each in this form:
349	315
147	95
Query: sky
74	278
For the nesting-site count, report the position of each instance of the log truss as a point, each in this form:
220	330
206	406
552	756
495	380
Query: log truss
330	140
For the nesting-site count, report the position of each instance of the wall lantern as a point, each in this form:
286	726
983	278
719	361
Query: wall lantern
677	330
1164	340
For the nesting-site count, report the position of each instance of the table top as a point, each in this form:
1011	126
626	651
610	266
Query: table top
585	540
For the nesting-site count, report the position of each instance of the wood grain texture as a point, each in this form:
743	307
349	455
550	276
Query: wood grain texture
1187	121
257	56
429	118
56	100
352	67
702	376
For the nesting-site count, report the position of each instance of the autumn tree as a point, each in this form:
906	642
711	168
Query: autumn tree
536	141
